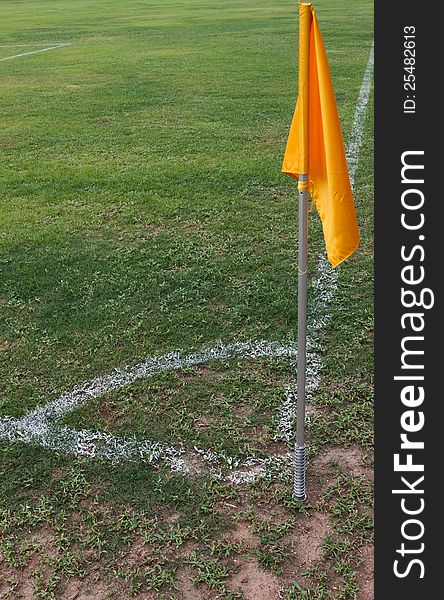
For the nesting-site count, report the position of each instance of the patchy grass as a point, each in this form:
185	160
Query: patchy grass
142	210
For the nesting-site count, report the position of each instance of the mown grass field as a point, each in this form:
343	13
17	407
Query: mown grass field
142	210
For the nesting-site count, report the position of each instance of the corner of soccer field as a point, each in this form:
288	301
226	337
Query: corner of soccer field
148	307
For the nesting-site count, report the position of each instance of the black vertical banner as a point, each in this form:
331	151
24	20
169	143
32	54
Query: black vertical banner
409	331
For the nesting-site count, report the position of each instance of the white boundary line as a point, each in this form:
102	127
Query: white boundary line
12	45
357	132
41	426
35	51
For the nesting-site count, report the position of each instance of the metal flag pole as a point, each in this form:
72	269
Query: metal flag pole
301	448
300	455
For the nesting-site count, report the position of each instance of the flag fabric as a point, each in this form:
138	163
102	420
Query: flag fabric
315	146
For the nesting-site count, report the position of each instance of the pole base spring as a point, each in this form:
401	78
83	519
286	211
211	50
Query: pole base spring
300	470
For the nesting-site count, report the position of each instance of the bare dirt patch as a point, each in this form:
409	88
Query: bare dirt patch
186	588
255	583
243	534
365	573
308	537
137	552
87	589
23	576
7	576
351	461
25	591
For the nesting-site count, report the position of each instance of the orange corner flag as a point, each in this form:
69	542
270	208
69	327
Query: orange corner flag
315	145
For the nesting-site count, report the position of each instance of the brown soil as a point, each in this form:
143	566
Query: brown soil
351	461
365	573
244	534
308	538
186	588
255	583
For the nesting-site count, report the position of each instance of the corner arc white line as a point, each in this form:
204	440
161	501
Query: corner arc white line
37	424
35	52
119	378
40	427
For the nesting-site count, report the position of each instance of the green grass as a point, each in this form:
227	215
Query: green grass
142	210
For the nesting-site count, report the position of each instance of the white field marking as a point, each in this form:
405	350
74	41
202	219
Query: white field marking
35	51
12	45
41	426
357	133
40	420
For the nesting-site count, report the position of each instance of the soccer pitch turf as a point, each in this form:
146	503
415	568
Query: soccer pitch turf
142	211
